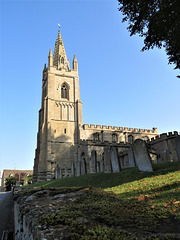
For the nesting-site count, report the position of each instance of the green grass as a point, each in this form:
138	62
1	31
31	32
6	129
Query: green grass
108	180
103	215
162	190
127	205
159	188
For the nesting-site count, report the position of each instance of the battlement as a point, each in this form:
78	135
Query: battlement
115	128
163	136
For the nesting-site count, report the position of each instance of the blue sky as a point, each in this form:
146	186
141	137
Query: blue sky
119	84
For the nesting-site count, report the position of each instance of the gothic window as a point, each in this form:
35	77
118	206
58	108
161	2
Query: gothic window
62	60
64	91
96	136
114	137
130	139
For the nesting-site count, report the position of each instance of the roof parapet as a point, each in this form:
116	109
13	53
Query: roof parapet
163	136
115	128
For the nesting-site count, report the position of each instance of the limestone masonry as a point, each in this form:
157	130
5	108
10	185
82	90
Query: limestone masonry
66	146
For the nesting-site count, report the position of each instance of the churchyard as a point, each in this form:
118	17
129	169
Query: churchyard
125	205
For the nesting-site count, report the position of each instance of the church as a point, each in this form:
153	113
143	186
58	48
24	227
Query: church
66	146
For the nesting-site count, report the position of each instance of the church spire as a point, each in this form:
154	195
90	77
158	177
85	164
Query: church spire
59	57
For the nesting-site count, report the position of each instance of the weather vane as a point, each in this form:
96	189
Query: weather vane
59	25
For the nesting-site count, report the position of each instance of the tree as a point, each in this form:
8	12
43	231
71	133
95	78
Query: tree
156	20
10	182
27	179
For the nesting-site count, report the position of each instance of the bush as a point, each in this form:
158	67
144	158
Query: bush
10	182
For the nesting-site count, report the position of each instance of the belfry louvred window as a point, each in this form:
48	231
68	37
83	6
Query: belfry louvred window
64	91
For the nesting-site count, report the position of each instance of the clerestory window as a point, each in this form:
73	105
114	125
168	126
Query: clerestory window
114	137
96	136
130	139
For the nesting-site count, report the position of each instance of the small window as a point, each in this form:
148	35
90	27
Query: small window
65	131
114	137
62	60
64	91
130	139
96	136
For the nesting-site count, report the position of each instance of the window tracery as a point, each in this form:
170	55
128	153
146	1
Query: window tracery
64	91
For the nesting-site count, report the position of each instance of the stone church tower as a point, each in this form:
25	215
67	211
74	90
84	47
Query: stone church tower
66	146
60	114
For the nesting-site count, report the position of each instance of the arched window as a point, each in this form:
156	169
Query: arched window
64	91
96	136
130	139
114	137
62	60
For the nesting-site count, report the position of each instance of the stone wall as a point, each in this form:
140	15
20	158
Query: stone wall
29	208
96	156
114	134
166	147
96	159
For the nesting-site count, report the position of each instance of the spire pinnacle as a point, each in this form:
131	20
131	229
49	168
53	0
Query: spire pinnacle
75	63
75	59
50	53
50	59
59	56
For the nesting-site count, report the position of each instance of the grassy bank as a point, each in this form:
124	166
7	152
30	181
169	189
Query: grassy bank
108	180
127	205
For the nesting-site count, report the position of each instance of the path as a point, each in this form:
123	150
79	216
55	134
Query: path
6	214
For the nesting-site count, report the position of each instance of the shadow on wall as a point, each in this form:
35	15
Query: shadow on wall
63	152
138	154
69	159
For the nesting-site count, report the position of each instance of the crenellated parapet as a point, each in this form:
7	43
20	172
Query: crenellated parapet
115	128
163	137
